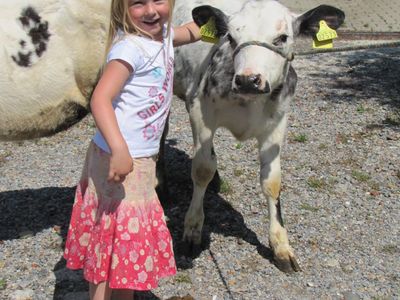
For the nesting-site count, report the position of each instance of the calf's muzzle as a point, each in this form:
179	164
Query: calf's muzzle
250	84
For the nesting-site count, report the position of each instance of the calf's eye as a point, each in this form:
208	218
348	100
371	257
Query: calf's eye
231	40
279	41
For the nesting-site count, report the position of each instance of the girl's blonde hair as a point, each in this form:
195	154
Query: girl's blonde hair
120	20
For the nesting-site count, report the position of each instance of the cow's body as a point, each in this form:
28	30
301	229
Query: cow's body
247	92
51	52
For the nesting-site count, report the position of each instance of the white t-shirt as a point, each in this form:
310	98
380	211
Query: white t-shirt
143	105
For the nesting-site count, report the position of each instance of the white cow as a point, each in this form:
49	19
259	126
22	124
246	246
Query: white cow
51	52
244	83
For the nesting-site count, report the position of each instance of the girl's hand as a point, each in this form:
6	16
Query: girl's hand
185	34
121	164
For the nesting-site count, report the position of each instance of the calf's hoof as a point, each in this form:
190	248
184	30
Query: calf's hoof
286	262
190	250
191	242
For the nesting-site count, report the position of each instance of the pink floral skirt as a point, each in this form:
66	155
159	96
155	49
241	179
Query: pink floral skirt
118	231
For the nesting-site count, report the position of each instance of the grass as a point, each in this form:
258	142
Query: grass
183	278
300	138
225	187
316	183
393	118
322	147
360	176
3	284
361	109
350	161
309	207
239	146
238	172
390	249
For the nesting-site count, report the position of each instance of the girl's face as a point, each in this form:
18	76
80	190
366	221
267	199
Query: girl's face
149	15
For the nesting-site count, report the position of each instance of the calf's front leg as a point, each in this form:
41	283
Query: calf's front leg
270	178
204	165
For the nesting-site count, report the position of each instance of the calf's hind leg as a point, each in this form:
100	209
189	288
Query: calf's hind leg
270	178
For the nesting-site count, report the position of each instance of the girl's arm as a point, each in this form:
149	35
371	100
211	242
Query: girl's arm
109	86
185	34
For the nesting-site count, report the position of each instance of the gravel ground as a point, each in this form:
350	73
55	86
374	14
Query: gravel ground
341	191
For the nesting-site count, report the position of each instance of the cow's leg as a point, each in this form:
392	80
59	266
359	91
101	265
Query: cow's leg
204	165
270	179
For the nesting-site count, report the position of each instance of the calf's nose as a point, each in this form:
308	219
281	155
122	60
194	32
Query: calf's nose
250	84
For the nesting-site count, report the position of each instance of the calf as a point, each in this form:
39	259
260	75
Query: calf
244	83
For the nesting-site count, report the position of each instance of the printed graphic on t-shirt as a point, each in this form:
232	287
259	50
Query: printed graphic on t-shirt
149	132
154	130
153	91
157	72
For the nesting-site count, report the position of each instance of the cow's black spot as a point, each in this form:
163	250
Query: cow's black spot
31	14
279	212
206	90
286	89
214	82
39	33
37	30
23	60
40	49
219	72
276	92
24	21
292	80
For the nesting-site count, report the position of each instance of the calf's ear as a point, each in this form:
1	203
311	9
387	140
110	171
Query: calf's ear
308	23
202	14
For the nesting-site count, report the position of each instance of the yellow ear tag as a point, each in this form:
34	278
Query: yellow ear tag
325	36
208	32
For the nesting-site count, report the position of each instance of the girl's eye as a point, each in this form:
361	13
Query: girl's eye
135	2
280	40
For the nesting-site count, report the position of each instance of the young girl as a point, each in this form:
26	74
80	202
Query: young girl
117	233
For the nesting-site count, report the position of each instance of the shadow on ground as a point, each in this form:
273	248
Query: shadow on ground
34	210
373	75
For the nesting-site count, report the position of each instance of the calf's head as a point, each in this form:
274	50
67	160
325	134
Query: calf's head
261	37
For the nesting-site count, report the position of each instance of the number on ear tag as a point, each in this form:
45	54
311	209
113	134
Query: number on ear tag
324	37
209	32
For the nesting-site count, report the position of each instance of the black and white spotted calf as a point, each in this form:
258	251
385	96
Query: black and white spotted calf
244	83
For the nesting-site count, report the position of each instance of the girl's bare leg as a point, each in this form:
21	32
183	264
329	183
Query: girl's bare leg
99	291
122	294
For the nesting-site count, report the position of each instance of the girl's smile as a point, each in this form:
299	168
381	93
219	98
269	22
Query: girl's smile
150	16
